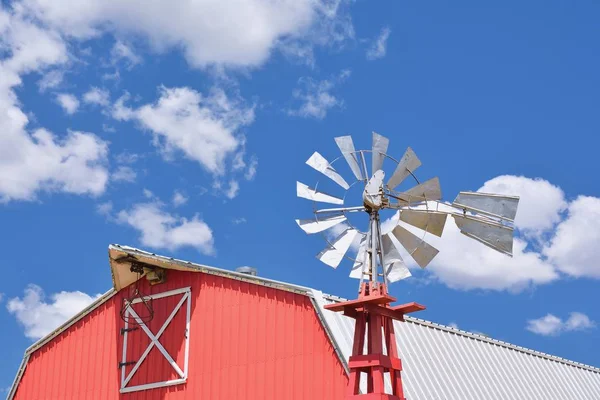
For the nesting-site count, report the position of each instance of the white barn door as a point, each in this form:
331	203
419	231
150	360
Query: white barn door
155	353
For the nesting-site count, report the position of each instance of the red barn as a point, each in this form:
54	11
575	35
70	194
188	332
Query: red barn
218	334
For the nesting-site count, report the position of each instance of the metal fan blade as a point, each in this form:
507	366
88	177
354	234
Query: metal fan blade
494	205
496	236
306	192
380	146
428	190
319	163
421	251
430	221
333	254
409	163
393	264
346	146
358	267
313	226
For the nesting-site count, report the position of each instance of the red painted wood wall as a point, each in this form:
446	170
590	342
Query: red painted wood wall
247	342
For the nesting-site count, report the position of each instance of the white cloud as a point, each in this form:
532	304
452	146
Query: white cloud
121	51
575	247
237	221
316	98
202	127
160	230
179	199
97	96
379	47
124	174
105	208
234	188
453	325
31	162
39	316
50	80
551	325
238	34
251	170
68	102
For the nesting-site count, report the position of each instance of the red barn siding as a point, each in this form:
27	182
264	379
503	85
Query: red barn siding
247	342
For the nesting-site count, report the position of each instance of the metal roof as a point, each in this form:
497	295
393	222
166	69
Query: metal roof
439	362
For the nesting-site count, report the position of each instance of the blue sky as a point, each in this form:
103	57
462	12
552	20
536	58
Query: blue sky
183	131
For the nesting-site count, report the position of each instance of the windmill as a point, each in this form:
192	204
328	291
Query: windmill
487	218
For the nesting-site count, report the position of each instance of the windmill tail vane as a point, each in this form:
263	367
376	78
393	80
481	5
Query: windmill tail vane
486	218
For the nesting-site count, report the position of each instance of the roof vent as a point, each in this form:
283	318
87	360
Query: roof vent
246	270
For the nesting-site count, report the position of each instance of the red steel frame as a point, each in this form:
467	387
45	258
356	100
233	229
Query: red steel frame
374	314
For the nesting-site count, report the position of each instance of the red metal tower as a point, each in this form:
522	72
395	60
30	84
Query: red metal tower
374	317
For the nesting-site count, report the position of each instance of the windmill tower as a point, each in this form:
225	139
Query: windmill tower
487	218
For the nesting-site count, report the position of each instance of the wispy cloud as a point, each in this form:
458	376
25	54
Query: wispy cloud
551	325
68	102
316	98
378	47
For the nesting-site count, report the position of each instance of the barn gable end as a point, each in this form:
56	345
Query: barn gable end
246	341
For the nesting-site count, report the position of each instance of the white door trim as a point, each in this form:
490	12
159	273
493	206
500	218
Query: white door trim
154	341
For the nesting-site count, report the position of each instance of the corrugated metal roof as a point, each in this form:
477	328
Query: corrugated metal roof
444	363
439	362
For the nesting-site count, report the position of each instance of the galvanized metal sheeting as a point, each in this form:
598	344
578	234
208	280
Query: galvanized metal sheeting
430	221
393	264
313	226
444	363
409	163
421	251
346	146
494	205
333	254
426	191
358	267
306	192
380	146
496	236
318	162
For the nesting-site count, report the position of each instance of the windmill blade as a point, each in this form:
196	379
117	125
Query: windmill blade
380	146
409	163
346	146
333	254
393	264
318	162
313	226
429	221
421	251
428	190
358	268
494	205
306	192
494	235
